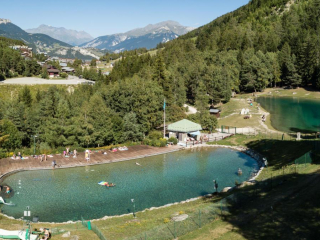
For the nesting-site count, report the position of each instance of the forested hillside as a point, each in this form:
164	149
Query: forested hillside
11	62
266	43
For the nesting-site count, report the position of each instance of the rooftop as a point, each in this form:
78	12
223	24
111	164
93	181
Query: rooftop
185	126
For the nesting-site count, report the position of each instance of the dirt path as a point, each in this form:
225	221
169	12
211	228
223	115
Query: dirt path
191	110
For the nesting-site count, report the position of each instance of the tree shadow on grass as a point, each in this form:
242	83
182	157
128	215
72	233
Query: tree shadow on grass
281	153
285	207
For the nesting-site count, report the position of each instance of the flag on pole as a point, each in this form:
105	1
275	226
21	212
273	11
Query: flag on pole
164	105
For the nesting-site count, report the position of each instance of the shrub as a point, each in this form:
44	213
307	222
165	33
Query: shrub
45	148
166	220
63	75
163	142
155	134
173	140
3	153
155	142
181	212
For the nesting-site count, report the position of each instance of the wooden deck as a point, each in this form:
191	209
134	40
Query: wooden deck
9	165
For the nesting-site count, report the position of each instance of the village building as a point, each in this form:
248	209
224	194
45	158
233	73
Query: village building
214	111
67	69
183	129
25	51
52	71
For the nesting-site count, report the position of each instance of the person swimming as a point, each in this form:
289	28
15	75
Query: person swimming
8	190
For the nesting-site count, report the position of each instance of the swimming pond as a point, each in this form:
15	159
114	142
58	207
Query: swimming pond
292	114
67	194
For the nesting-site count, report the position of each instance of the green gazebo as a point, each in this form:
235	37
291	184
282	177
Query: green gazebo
183	128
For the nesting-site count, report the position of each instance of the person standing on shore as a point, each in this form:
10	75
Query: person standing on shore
54	164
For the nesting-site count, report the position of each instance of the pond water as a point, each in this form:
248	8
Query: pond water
67	194
292	114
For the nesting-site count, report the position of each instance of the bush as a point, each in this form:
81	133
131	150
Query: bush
155	142
3	153
173	140
24	151
45	148
155	135
166	220
63	75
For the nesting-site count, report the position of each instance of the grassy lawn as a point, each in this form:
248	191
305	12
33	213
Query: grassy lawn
12	91
239	121
299	92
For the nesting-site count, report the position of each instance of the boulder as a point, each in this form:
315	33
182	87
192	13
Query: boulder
66	235
180	218
226	189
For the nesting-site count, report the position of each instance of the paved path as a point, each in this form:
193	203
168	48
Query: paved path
134	152
192	110
72	80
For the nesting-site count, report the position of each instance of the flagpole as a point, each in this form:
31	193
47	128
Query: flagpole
164	118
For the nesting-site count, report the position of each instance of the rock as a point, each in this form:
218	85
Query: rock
65	235
74	237
180	218
226	189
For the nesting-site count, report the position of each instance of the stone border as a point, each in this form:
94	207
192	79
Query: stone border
244	150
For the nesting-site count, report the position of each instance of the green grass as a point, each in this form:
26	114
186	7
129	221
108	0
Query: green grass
239	121
12	91
299	93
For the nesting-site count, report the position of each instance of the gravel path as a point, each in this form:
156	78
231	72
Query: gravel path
33	80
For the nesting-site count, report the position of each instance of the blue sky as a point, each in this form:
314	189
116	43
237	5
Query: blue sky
104	17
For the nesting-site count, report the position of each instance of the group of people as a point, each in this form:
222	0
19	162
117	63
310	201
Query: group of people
6	188
69	153
19	155
42	157
43	231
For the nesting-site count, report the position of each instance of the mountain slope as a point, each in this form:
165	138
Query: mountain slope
42	43
11	30
71	37
263	44
147	37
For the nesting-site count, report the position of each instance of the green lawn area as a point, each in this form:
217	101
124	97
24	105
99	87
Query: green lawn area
239	121
11	91
298	92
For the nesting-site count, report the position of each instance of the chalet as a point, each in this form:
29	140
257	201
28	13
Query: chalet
52	71
67	69
25	51
62	64
214	111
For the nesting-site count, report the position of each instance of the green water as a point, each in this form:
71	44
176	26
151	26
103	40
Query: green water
292	114
68	194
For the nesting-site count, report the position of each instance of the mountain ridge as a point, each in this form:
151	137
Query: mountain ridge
42	43
148	37
72	37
